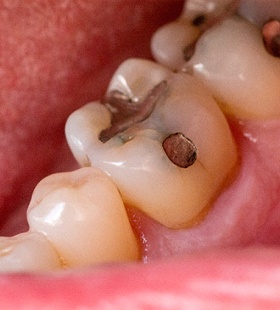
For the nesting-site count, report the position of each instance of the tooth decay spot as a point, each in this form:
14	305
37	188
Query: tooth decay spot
205	13
180	150
141	110
271	37
189	51
199	20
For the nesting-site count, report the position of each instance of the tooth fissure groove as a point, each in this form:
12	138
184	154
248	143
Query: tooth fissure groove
128	114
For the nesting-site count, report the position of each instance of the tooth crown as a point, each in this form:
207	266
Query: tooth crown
169	43
231	60
135	158
82	214
27	252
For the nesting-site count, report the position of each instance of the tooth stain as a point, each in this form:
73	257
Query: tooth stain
181	151
189	51
199	20
125	112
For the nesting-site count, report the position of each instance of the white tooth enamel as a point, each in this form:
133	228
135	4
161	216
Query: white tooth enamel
142	78
232	61
259	11
80	145
82	214
135	159
27	252
168	43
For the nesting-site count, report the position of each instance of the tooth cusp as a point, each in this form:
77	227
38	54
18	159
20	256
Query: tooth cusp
28	251
83	216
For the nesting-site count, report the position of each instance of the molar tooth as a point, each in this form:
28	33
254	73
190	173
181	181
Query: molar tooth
232	61
135	159
82	214
27	252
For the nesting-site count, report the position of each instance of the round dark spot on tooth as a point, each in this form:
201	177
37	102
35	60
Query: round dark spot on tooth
181	151
199	20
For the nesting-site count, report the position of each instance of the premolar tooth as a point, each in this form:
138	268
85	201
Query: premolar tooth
27	252
232	61
82	214
135	159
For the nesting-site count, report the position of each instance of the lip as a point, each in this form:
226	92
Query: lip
223	278
227	278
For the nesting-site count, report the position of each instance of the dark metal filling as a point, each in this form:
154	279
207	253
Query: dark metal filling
181	151
127	111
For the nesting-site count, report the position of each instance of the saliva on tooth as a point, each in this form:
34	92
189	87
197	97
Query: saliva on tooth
230	58
143	157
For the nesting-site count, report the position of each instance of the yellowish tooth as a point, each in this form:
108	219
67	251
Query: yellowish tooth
231	60
82	214
173	43
27	252
135	158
